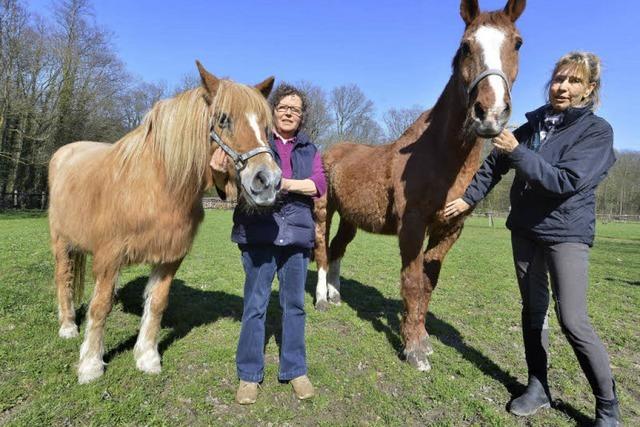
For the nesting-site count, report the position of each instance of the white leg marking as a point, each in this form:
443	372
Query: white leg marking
490	40
334	280
68	331
253	122
146	350
321	286
91	365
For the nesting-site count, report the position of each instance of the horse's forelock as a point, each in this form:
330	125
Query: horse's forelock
236	100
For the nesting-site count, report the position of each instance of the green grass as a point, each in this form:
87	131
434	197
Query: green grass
352	349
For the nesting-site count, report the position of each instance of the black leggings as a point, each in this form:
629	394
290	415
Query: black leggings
567	264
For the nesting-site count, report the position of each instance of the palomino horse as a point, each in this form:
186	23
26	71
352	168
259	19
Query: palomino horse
139	201
405	185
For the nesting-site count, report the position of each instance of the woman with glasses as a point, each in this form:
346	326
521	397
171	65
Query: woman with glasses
278	241
560	155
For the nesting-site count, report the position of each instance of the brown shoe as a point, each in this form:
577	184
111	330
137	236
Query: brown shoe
247	393
302	387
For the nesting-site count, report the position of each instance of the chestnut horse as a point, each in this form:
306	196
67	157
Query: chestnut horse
401	188
139	201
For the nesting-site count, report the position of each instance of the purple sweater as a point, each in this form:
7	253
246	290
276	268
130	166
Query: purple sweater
317	176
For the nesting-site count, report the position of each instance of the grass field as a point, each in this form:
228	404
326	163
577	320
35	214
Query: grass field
352	349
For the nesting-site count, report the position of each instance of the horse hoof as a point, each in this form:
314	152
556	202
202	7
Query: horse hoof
322	305
68	331
335	300
149	362
89	371
418	360
428	349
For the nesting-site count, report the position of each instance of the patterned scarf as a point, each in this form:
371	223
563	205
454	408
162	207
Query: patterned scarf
548	126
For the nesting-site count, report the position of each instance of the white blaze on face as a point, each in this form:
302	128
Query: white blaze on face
490	40
253	122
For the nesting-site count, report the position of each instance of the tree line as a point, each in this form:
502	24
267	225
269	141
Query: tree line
61	80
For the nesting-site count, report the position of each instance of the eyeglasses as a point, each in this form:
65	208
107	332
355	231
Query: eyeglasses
289	108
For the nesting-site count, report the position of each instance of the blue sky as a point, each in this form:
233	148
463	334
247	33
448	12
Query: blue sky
399	52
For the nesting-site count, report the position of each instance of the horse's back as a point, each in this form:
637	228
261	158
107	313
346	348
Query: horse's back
73	170
73	156
361	179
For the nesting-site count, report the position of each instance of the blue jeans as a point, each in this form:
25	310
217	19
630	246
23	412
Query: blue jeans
261	262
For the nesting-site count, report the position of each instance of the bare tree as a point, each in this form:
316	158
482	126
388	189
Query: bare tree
353	116
138	100
397	120
317	121
59	82
188	81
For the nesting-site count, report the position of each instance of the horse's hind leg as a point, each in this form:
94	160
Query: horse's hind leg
346	233
67	265
156	296
323	215
91	365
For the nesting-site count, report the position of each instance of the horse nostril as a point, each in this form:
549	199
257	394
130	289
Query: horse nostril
504	115
479	111
260	182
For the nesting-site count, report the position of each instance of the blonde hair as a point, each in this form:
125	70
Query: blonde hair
588	66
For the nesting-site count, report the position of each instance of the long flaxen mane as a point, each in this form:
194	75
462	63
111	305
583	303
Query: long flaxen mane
177	131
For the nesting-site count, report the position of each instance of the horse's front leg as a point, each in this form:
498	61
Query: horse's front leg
156	298
91	365
440	241
414	334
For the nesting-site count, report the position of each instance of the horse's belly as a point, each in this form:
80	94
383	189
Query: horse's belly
369	210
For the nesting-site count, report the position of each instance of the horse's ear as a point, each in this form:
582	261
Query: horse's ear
209	81
265	86
514	9
469	9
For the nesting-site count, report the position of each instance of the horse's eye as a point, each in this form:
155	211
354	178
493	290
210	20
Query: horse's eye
465	48
518	44
224	121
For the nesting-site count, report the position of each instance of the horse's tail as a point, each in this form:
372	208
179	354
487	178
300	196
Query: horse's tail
77	263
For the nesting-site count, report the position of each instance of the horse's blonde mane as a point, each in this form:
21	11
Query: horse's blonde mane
176	131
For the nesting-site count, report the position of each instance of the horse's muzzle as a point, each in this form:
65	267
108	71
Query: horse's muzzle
261	184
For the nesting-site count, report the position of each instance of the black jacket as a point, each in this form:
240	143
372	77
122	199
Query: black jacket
553	193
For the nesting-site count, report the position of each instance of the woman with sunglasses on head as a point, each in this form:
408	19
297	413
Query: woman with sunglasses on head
278	241
560	155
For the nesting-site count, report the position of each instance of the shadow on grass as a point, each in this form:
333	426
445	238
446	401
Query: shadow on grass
188	308
626	282
384	316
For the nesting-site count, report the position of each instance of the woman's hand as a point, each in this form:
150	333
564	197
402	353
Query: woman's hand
455	208
505	141
300	186
219	161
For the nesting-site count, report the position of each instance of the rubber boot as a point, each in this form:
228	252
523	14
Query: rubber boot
608	411
535	397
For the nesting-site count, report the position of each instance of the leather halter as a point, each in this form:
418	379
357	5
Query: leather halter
486	73
239	160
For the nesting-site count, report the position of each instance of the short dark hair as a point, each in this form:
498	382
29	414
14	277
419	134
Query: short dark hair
282	91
